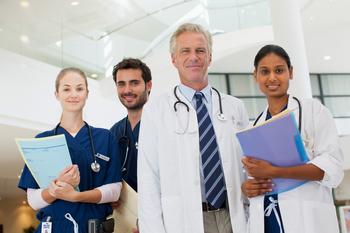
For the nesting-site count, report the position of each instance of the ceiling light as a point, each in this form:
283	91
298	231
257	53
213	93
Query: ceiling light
326	58
24	38
94	76
58	43
75	3
1	29
24	4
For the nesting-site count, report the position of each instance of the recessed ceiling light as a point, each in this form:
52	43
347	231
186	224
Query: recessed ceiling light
75	3
326	58
94	76
24	38
24	4
58	43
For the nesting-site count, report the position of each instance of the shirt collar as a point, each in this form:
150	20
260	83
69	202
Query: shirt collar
189	92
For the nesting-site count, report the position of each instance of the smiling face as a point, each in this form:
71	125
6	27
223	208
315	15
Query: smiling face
272	75
192	58
132	89
72	92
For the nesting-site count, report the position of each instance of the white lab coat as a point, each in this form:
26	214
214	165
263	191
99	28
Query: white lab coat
309	208
168	164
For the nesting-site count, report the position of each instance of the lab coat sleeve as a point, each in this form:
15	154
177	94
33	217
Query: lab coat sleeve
149	206
328	155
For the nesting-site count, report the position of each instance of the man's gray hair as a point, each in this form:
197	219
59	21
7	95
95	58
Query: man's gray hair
190	27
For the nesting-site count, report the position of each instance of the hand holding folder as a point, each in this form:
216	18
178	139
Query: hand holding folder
278	142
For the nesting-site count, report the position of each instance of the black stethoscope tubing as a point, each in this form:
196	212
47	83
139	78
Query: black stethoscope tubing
94	163
300	114
188	108
126	141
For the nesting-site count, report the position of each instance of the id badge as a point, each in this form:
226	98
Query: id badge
46	227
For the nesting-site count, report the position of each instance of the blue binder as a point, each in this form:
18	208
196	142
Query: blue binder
278	142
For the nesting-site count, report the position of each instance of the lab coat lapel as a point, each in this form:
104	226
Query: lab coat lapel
219	125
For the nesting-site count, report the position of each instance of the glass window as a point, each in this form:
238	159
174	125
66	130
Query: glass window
243	85
254	106
339	106
334	91
335	84
219	82
315	87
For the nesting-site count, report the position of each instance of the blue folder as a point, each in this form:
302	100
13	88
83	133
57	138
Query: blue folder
278	142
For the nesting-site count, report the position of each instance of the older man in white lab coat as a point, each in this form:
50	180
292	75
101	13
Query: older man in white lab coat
175	192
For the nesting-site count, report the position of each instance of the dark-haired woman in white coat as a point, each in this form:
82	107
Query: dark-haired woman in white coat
308	208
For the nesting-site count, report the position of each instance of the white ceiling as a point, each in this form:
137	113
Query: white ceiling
96	31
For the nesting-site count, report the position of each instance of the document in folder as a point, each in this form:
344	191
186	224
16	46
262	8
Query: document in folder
45	157
278	142
126	214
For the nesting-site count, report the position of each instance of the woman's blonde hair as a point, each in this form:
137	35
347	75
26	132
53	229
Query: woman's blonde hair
65	71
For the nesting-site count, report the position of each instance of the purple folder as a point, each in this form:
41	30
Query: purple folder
279	143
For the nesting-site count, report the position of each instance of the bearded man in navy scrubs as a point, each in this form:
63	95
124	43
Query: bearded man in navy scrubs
134	82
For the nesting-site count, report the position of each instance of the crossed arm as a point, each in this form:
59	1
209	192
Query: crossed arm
261	173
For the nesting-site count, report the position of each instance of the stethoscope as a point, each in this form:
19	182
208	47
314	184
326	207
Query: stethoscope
220	116
126	141
95	166
300	114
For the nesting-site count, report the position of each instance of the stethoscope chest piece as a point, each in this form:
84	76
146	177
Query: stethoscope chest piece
95	166
221	117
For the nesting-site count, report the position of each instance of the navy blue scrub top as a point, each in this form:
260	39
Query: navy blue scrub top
81	154
129	171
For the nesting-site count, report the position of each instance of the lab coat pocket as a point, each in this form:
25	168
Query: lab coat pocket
320	217
173	214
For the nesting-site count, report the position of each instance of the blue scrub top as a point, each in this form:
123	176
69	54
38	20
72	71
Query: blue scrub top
82	155
129	172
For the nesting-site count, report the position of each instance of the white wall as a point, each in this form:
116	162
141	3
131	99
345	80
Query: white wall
27	90
343	191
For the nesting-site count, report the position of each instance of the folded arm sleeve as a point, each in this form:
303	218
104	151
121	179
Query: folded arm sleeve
110	192
35	200
328	155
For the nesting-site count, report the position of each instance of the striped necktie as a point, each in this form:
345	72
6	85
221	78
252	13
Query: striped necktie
215	190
